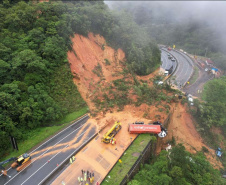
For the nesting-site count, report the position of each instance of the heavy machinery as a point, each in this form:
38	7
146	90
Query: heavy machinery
21	162
109	136
3	170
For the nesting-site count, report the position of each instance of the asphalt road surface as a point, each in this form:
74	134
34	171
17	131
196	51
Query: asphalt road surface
50	154
184	69
166	62
196	88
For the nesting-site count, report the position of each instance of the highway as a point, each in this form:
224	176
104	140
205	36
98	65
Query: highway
184	69
166	62
50	154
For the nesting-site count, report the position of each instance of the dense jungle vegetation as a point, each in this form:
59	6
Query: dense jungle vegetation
36	86
178	167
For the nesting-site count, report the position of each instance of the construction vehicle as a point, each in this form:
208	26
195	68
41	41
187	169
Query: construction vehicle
21	162
3	170
109	136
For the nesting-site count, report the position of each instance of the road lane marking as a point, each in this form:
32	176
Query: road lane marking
53	137
64	161
50	160
44	153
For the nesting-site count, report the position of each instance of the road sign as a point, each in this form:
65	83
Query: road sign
174	46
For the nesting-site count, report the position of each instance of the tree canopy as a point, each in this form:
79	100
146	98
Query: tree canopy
36	84
178	167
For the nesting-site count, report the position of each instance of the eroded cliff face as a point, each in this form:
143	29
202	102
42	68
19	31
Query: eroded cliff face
94	63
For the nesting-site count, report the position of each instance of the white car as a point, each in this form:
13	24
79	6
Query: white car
173	59
206	69
190	99
160	82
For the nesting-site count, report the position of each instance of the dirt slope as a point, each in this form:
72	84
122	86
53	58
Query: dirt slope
183	129
91	54
87	54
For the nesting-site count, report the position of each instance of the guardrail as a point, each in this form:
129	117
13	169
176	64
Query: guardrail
142	158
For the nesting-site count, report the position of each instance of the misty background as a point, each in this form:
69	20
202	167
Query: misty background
199	27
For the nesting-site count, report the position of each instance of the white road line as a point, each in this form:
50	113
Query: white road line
63	162
43	165
53	137
58	133
49	160
43	154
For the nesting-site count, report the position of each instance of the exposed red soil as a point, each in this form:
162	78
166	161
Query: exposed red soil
182	128
91	52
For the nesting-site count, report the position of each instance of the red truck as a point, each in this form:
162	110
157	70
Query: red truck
139	129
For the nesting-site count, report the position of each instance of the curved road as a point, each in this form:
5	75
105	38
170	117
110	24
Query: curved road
166	62
50	154
184	69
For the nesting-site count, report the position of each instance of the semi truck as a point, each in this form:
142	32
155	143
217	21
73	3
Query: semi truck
155	128
139	129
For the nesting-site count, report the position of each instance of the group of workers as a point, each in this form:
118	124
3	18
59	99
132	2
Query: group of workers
86	178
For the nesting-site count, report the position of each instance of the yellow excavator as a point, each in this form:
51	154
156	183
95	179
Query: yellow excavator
20	162
109	136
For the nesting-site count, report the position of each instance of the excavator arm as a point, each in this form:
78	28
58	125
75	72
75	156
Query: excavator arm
3	170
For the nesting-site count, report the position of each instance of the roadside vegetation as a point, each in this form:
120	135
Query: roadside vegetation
40	134
129	157
177	167
195	75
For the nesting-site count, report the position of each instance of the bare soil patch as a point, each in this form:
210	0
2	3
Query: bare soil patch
92	51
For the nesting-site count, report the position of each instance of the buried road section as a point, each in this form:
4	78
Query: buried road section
50	154
97	157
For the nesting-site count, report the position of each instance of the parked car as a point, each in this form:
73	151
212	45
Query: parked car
160	82
206	69
173	59
190	99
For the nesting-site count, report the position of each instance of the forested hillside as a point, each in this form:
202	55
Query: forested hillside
198	30
36	86
178	167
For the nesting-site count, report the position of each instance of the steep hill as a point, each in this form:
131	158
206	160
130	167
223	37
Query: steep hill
96	67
